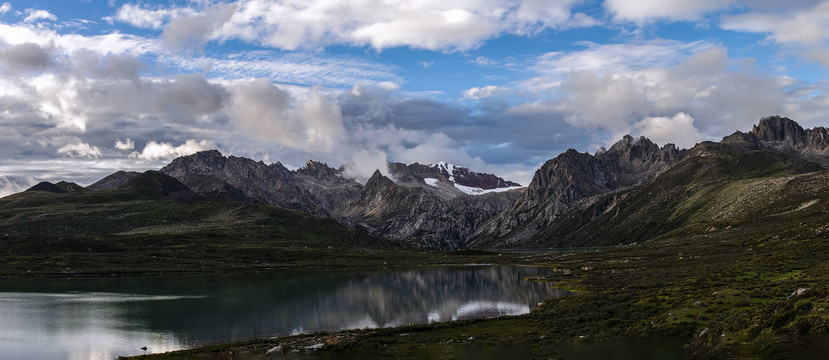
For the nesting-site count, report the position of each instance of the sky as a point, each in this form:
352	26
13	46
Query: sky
89	87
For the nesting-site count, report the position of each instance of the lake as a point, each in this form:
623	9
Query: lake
103	318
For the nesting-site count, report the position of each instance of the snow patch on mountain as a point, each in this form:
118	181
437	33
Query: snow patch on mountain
444	165
478	191
431	181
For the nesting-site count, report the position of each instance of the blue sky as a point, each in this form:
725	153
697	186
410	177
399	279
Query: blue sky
88	87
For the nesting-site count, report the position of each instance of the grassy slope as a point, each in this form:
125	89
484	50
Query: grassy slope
737	235
735	283
700	192
127	232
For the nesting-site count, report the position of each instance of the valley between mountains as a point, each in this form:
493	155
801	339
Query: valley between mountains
722	246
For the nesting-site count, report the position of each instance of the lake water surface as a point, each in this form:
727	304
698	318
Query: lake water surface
102	318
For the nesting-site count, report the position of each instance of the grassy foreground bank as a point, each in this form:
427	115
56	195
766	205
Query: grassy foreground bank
729	290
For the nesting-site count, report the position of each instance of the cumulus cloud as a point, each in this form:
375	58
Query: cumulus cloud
650	10
481	92
192	32
148	18
26	56
294	24
105	44
162	150
263	109
82	150
364	163
819	55
35	15
678	129
6	7
807	26
628	96
126	145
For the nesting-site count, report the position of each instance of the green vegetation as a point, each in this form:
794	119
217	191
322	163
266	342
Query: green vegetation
725	294
129	233
713	262
717	248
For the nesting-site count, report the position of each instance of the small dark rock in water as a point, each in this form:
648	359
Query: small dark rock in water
144	348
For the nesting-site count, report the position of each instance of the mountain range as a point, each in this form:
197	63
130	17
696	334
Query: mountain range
631	192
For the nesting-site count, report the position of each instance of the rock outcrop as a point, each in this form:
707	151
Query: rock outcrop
422	217
406	209
255	180
574	177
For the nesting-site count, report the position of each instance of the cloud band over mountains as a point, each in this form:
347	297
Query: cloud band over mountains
332	81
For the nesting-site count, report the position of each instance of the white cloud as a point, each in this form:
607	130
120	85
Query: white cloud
615	58
6	7
703	91
364	163
112	43
126	145
678	129
82	150
641	11
262	109
26	56
15	184
807	26
148	18
192	32
484	61
162	150
34	15
293	24
293	68
482	92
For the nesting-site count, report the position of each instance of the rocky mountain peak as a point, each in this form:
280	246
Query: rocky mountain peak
207	161
785	135
317	169
776	128
465	177
640	148
378	181
281	170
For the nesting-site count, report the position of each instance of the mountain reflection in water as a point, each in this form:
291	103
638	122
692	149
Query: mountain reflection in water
104	318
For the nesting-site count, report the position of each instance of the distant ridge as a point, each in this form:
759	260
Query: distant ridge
58	188
631	192
571	192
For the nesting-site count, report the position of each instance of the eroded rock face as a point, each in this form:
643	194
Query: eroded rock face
575	181
573	177
785	135
420	216
255	180
406	209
